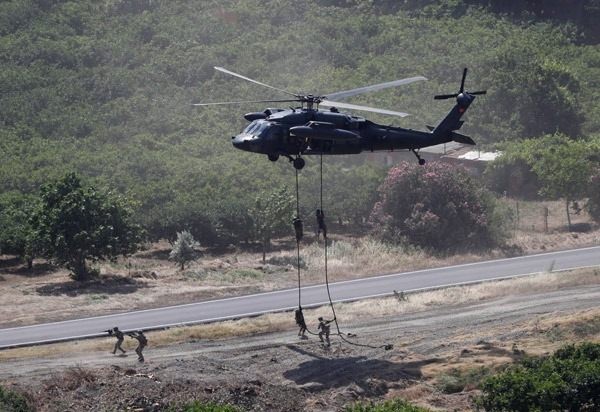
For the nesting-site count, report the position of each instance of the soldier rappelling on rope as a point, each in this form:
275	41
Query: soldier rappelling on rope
301	323
298	228
321	227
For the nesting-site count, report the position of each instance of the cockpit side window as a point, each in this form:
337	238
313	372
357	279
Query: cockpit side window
252	127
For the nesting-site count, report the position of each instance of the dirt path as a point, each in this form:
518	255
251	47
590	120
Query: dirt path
281	372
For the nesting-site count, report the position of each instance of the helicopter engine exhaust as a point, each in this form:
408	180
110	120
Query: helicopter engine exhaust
255	116
339	135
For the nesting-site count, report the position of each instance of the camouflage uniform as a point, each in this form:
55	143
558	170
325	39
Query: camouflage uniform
300	322
142	342
120	338
324	330
321	224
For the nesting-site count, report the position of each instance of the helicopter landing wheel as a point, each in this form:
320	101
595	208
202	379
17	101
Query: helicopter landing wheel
273	157
421	160
299	163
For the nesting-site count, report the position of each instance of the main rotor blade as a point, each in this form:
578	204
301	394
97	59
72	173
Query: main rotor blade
245	101
479	92
462	82
445	96
330	103
221	69
374	87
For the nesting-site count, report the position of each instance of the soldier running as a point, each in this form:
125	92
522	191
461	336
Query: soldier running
324	330
120	338
300	322
142	342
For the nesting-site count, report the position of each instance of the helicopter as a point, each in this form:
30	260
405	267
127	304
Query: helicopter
309	130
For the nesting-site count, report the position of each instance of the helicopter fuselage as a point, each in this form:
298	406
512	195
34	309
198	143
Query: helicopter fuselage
309	131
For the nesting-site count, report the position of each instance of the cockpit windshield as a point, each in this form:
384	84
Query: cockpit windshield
256	127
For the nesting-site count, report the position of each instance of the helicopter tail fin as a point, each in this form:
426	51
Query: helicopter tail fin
453	121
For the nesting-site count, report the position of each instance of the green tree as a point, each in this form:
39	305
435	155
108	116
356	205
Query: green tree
184	249
532	95
593	205
272	214
18	236
79	224
555	165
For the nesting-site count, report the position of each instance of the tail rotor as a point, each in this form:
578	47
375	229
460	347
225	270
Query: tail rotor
461	91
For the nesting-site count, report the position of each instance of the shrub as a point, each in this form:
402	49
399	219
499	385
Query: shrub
183	249
11	401
245	274
567	380
395	405
457	380
436	206
198	406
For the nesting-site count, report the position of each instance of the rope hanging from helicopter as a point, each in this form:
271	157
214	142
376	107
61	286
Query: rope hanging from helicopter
299	234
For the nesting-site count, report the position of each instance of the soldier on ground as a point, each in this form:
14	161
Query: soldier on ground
301	323
120	338
324	330
142	342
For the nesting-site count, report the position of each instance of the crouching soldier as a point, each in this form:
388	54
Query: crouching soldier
142	342
120	338
324	330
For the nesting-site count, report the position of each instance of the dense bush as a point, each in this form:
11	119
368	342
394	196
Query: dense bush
11	401
395	405
567	380
198	406
436	206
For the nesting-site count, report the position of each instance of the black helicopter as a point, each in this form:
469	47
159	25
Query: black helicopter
306	130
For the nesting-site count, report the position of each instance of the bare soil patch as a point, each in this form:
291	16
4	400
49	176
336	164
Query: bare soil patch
439	355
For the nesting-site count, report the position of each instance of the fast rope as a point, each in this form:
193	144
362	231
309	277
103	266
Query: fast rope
321	227
298	229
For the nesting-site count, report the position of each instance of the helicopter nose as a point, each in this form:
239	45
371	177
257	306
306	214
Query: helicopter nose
241	142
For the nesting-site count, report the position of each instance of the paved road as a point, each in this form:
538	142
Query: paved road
311	296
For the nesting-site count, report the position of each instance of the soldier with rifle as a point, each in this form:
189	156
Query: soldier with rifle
120	338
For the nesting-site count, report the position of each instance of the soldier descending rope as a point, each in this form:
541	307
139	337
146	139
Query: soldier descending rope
321	227
301	323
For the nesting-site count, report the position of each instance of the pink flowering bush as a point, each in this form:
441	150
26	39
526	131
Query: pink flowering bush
436	206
